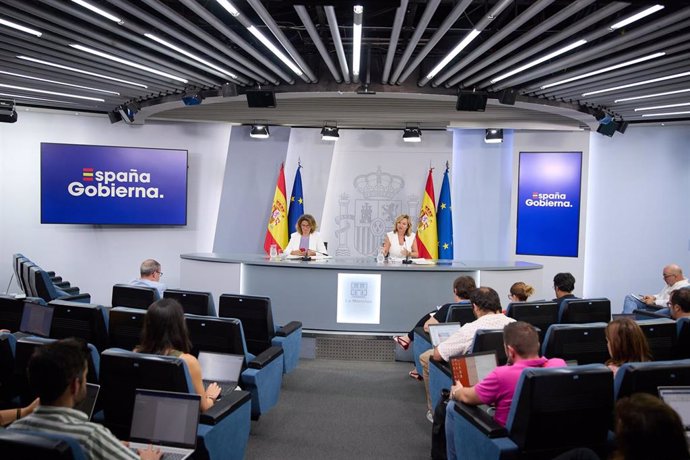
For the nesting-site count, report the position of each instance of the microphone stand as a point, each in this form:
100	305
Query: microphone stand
306	257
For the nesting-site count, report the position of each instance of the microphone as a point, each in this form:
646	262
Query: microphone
407	260
305	257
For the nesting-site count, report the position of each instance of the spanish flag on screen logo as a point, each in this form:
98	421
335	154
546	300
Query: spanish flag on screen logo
427	236
277	232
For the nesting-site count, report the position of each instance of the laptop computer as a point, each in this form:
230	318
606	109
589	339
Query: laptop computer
89	402
221	368
36	319
167	420
440	332
679	400
471	368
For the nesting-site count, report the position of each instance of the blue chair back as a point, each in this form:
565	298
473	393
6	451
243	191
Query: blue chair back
7	351
579	311
256	316
141	297
32	445
683	338
541	314
460	313
490	340
10	312
661	337
84	320
193	302
647	377
221	335
124	327
584	343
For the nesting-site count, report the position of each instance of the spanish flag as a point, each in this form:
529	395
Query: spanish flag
427	236
277	232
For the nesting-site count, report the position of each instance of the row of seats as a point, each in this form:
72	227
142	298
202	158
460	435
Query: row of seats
223	431
36	282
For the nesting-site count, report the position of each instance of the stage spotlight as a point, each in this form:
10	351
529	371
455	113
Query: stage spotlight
471	101
127	113
621	126
114	116
8	114
602	117
412	135
330	133
508	96
493	136
259	132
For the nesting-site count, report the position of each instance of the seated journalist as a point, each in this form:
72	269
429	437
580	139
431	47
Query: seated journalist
306	241
165	333
521	343
679	303
487	309
563	286
57	371
150	276
674	279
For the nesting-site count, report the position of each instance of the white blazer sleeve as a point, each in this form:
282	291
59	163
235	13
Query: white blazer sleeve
316	243
293	244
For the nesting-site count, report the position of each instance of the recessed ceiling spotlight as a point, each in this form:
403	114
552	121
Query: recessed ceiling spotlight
330	133
412	135
493	136
259	132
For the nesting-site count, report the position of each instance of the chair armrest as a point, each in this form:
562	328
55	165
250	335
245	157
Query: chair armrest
224	407
481	420
422	333
265	357
56	279
289	328
83	297
72	290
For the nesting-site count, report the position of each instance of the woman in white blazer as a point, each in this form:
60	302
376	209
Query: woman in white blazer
306	241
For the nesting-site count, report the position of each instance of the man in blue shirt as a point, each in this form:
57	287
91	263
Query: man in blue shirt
151	273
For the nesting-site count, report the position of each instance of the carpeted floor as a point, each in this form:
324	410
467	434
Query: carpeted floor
344	410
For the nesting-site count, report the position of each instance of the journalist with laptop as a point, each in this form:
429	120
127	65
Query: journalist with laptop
57	371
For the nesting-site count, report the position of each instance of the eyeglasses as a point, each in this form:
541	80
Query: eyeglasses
668	275
160	273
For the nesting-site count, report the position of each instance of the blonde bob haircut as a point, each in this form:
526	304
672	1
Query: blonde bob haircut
398	219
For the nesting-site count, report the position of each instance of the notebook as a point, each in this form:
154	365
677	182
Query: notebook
167	420
89	402
470	369
221	368
36	319
440	332
679	400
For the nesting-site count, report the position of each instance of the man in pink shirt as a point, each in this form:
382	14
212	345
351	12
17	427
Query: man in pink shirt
496	389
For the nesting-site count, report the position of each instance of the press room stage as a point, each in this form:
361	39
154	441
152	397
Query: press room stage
348	294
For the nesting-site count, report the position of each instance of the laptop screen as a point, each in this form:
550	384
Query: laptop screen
470	369
36	319
440	332
89	402
165	418
679	400
220	367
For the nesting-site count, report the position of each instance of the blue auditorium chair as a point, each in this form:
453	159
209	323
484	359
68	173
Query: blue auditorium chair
260	333
460	313
263	374
124	327
193	302
661	336
553	410
540	314
33	445
584	343
128	296
579	311
45	289
11	310
8	388
84	320
647	377
25	347
223	430
683	338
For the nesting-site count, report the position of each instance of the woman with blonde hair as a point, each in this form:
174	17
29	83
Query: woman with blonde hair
306	241
402	241
626	343
520	292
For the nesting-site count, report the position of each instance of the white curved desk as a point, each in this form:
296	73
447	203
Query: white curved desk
308	291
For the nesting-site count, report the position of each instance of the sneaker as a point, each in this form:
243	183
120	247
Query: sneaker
430	416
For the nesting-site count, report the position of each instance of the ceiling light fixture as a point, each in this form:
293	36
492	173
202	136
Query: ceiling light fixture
267	43
126	62
54	93
85	72
357	40
639	83
259	132
7	112
330	133
668	106
229	7
34	98
412	135
471	35
636	17
493	136
189	55
665	114
647	96
55	82
538	61
97	10
605	69
22	28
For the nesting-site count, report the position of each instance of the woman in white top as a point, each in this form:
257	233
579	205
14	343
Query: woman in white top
401	242
306	241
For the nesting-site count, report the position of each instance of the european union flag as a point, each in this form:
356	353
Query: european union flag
296	201
444	217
